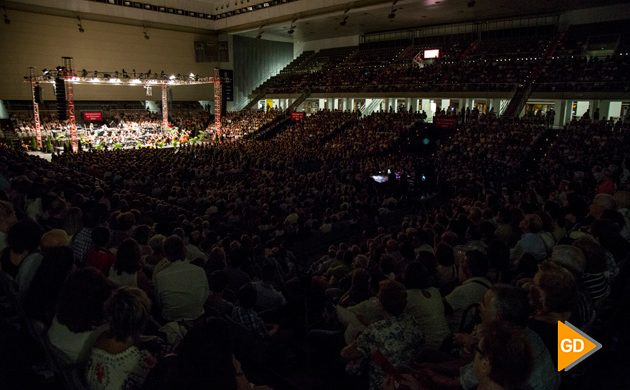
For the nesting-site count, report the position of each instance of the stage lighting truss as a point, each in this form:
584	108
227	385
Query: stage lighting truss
105	78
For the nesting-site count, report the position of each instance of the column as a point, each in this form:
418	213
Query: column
416	104
426	106
408	104
386	105
495	106
560	110
604	108
568	111
352	105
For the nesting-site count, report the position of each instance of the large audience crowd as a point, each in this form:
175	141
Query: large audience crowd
218	265
494	61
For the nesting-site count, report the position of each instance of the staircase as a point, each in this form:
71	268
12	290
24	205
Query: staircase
369	108
252	103
519	98
299	100
345	126
524	91
272	129
469	50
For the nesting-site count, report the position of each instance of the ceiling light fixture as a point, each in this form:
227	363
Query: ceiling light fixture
6	17
292	27
80	25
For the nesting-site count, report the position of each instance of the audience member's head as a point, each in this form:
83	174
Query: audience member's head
554	289
100	236
23	237
569	257
128	257
247	296
80	305
174	248
7	216
503	357
505	303
54	238
601	203
417	276
128	311
393	297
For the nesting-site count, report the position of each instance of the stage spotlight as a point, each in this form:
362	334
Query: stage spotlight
191	76
80	25
344	21
45	71
172	77
291	31
95	74
84	73
146	36
392	15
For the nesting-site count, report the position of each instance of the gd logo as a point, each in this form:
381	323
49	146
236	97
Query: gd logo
573	346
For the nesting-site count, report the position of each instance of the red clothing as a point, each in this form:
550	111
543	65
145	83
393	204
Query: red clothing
606	186
101	259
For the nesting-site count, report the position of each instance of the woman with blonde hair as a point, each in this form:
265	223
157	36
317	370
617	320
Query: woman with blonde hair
116	361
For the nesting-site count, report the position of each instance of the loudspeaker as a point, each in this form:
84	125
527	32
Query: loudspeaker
38	94
60	94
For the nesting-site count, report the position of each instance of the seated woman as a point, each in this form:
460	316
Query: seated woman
99	256
79	316
503	360
115	361
127	270
398	337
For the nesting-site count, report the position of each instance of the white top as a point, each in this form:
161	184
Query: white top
267	297
181	289
27	271
123	279
124	370
427	309
471	291
75	346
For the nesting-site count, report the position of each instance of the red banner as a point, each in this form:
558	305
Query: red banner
297	116
445	122
92	116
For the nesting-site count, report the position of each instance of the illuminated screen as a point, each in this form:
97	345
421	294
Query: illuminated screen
380	178
432	53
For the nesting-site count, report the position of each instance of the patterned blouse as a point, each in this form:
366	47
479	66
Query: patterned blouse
126	370
399	339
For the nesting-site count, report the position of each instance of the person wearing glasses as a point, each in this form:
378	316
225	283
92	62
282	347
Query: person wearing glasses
502	360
